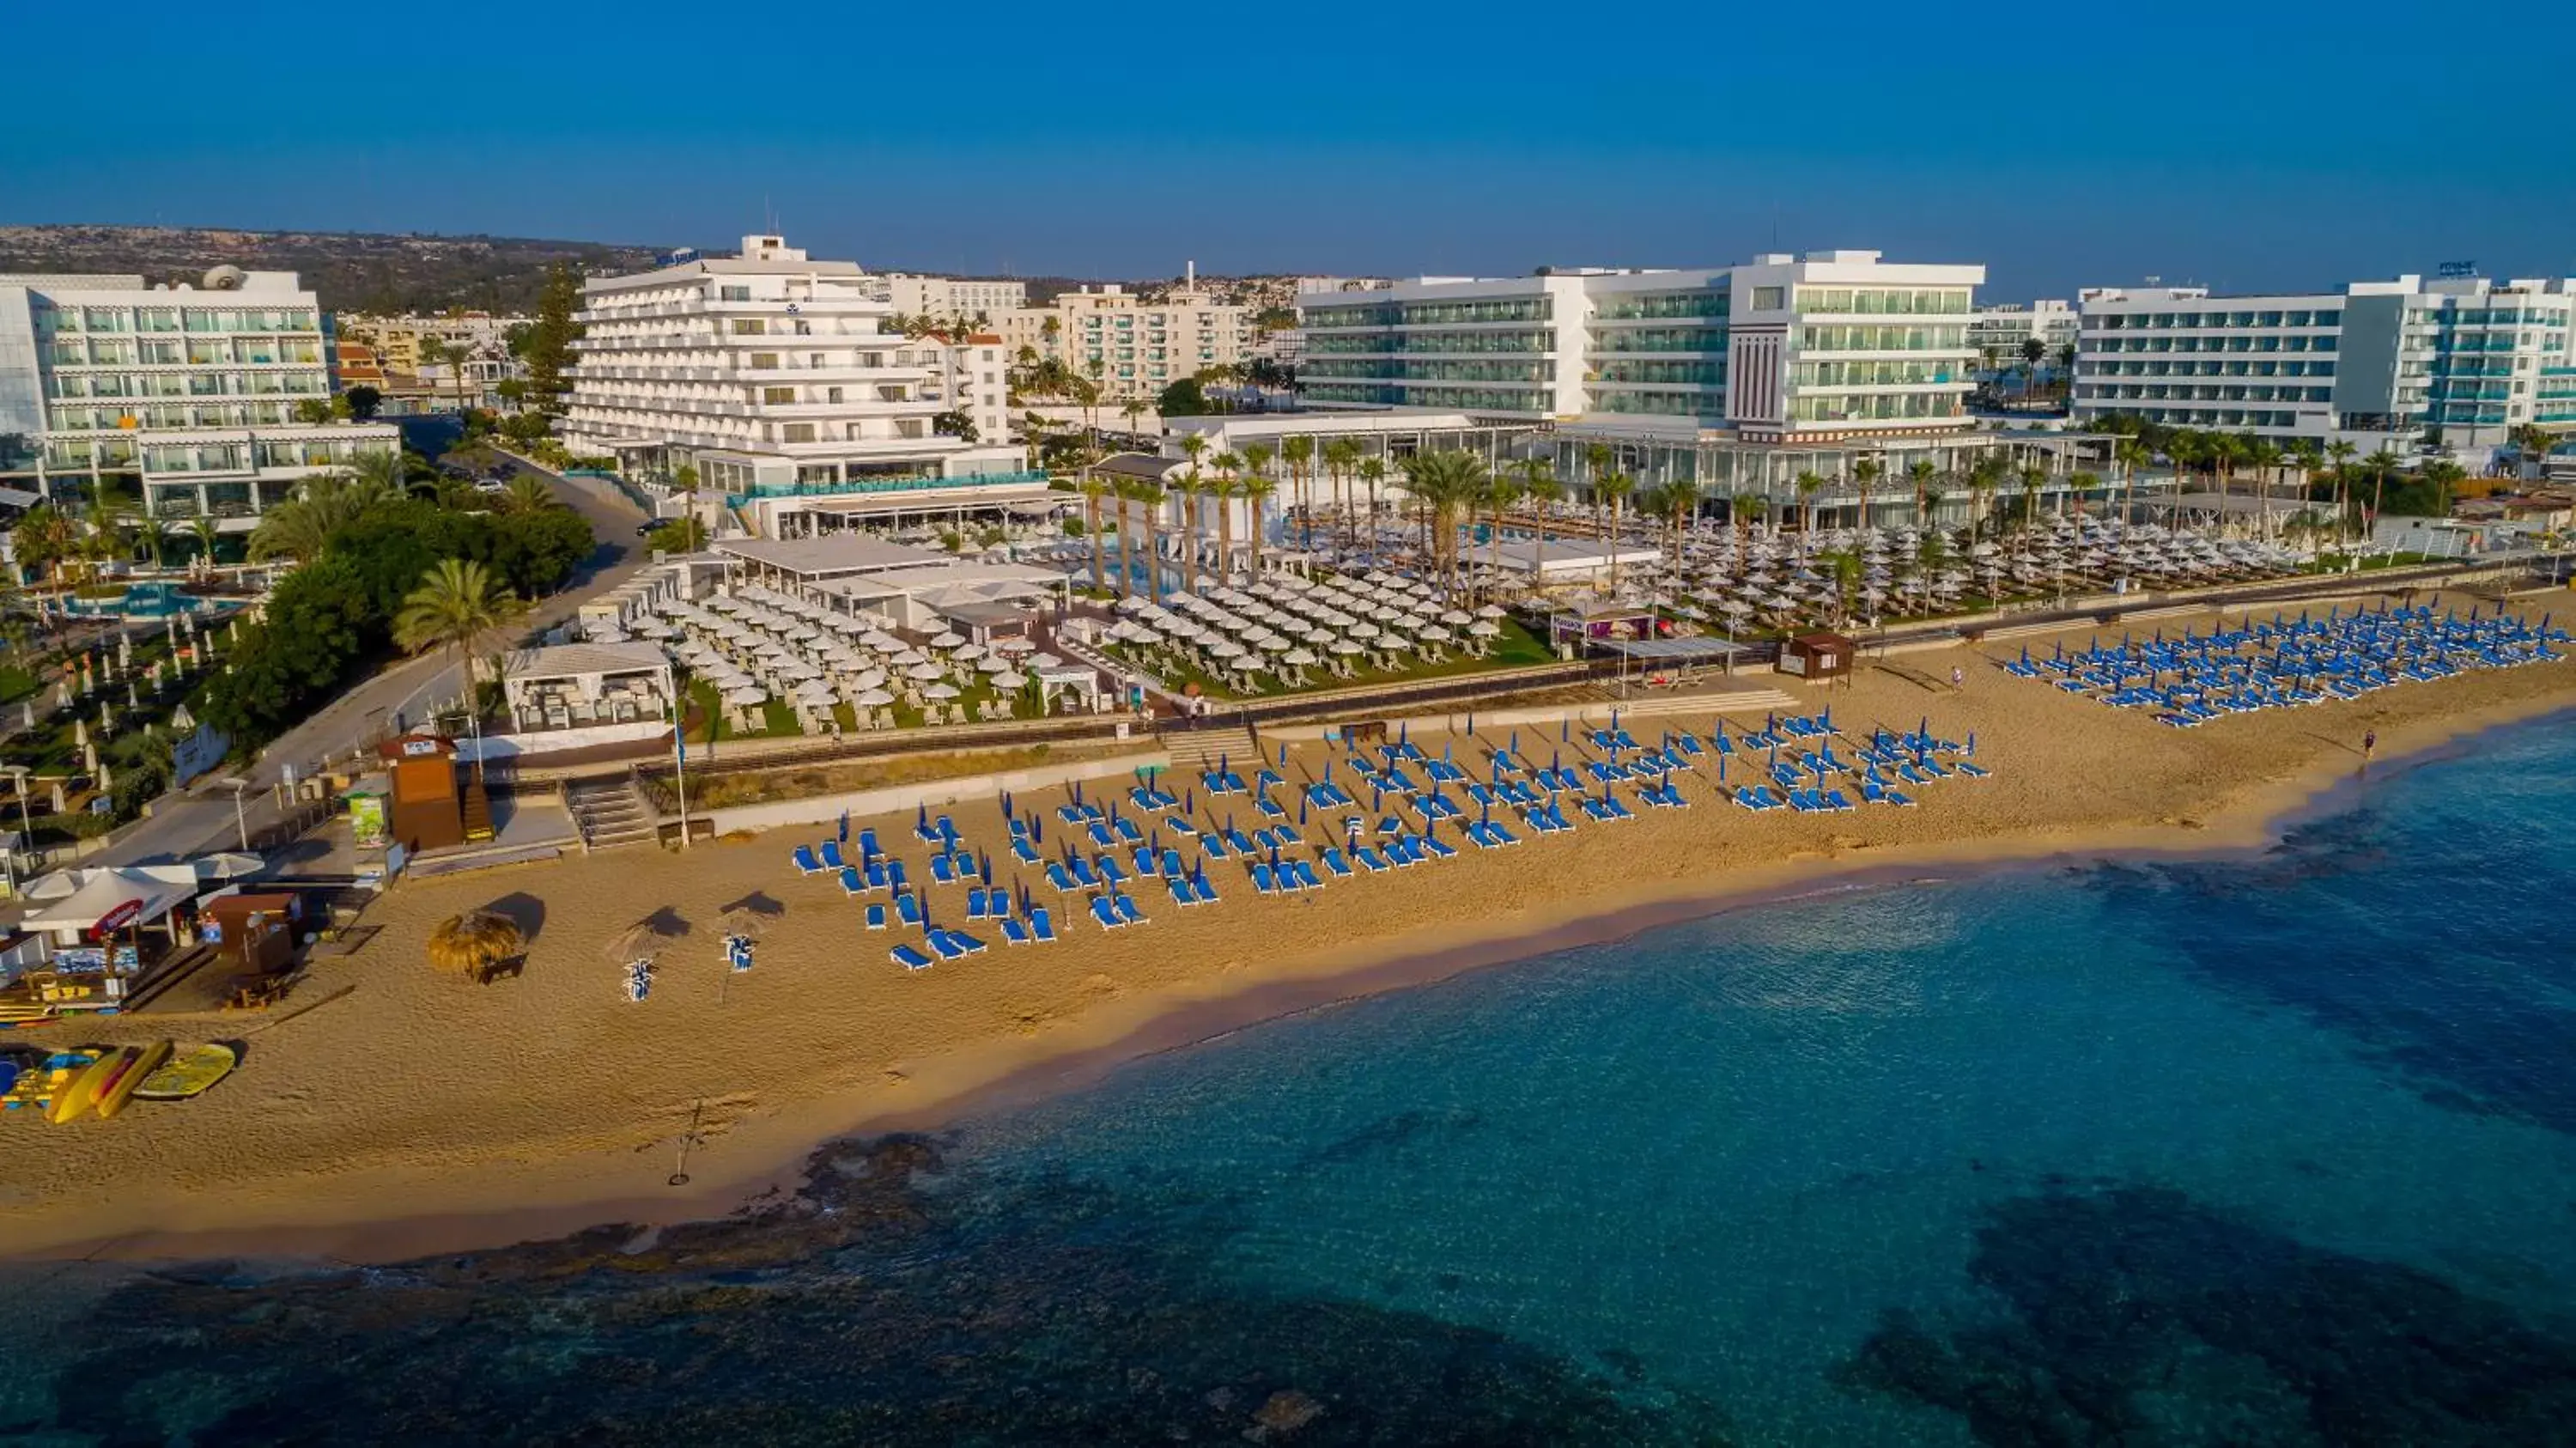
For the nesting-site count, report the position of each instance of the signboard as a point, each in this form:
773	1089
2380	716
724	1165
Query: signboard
419	748
118	918
2456	269
199	753
367	820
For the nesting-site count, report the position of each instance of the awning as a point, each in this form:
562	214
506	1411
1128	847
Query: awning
109	899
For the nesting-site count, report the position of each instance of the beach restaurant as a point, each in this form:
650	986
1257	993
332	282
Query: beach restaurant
574	686
94	932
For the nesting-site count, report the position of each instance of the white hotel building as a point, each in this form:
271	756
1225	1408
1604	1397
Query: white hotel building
1133	347
962	297
2383	363
1737	378
775	375
193	390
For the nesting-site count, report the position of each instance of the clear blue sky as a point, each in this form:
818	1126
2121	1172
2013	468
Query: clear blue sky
2254	143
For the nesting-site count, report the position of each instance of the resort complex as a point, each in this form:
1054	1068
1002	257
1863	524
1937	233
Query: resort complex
478	776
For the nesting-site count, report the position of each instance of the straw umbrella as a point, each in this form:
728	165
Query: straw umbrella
476	943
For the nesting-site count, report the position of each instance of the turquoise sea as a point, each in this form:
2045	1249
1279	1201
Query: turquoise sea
2278	1148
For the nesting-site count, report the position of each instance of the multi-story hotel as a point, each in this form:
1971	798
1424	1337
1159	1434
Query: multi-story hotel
966	297
1739	376
769	372
1999	332
1132	347
195	391
2387	363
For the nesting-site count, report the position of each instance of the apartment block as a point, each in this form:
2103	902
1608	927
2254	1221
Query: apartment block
194	391
765	371
1134	348
962	297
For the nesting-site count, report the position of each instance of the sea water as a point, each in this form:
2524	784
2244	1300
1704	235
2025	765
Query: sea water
2273	1148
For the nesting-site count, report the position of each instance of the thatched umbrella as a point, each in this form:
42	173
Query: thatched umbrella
645	938
474	942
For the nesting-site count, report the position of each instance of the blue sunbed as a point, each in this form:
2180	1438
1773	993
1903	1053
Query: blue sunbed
909	958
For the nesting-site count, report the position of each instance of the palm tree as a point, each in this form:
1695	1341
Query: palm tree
1372	475
1341	459
2033	478
204	531
1615	486
2341	451
1921	475
1743	511
2081	483
2531	444
157	533
1133	408
1256	468
1445	481
1808	485
1149	494
1501	491
439	352
2445	477
1225	489
456	607
1865	475
2131	455
1984	477
1674	502
1298	452
1092	490
1125	491
378	470
1538	484
1228	487
2033	352
2380	463
529	494
1599	459
1257	488
1186	488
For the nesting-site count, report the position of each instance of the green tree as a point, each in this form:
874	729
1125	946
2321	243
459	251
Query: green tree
1921	476
312	409
1614	486
528	493
1297	451
1372	475
1865	475
1445	482
1256	471
457	607
364	402
205	531
1093	490
1808	484
1539	484
44	540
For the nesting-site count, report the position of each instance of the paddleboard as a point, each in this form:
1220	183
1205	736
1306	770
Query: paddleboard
112	1098
38	1084
188	1072
76	1098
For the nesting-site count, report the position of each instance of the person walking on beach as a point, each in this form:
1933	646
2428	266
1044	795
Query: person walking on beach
2369	744
1958	677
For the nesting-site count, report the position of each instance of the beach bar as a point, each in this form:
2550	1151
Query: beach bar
1818	655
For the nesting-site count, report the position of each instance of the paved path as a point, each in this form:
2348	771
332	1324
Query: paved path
396	697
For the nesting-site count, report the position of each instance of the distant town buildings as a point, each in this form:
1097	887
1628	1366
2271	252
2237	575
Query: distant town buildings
471	351
202	392
774	374
1133	348
2380	363
961	297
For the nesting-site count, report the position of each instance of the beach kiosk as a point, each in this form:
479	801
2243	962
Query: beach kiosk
253	933
424	808
1818	656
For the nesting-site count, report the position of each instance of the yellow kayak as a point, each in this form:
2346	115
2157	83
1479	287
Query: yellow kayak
78	1096
188	1072
113	1096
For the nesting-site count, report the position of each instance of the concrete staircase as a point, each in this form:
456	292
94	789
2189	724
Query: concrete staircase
610	812
1195	751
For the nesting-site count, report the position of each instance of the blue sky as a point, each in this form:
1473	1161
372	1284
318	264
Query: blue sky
2259	143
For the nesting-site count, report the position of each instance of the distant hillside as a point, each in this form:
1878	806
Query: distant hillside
352	271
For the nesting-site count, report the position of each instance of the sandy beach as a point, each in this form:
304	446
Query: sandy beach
419	1112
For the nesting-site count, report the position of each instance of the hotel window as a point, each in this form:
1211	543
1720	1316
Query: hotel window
733	294
777	396
1769	299
797	432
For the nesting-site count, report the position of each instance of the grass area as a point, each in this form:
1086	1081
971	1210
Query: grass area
778	718
808	781
2338	562
18	682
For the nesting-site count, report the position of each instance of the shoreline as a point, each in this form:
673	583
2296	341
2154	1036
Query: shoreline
769	1158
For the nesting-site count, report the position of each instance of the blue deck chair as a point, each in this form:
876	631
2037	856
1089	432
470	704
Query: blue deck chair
907	908
975	903
965	942
831	854
876	916
943	870
1334	862
1023	851
1041	924
1262	880
1370	860
1013	932
1105	913
805	861
1059	877
909	958
945	945
1127	908
868	845
852	882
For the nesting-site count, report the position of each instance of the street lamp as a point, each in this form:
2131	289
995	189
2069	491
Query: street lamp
241	821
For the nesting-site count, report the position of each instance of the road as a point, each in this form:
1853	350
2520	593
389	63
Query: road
401	695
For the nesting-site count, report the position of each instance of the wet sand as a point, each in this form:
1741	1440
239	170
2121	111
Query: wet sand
419	1112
